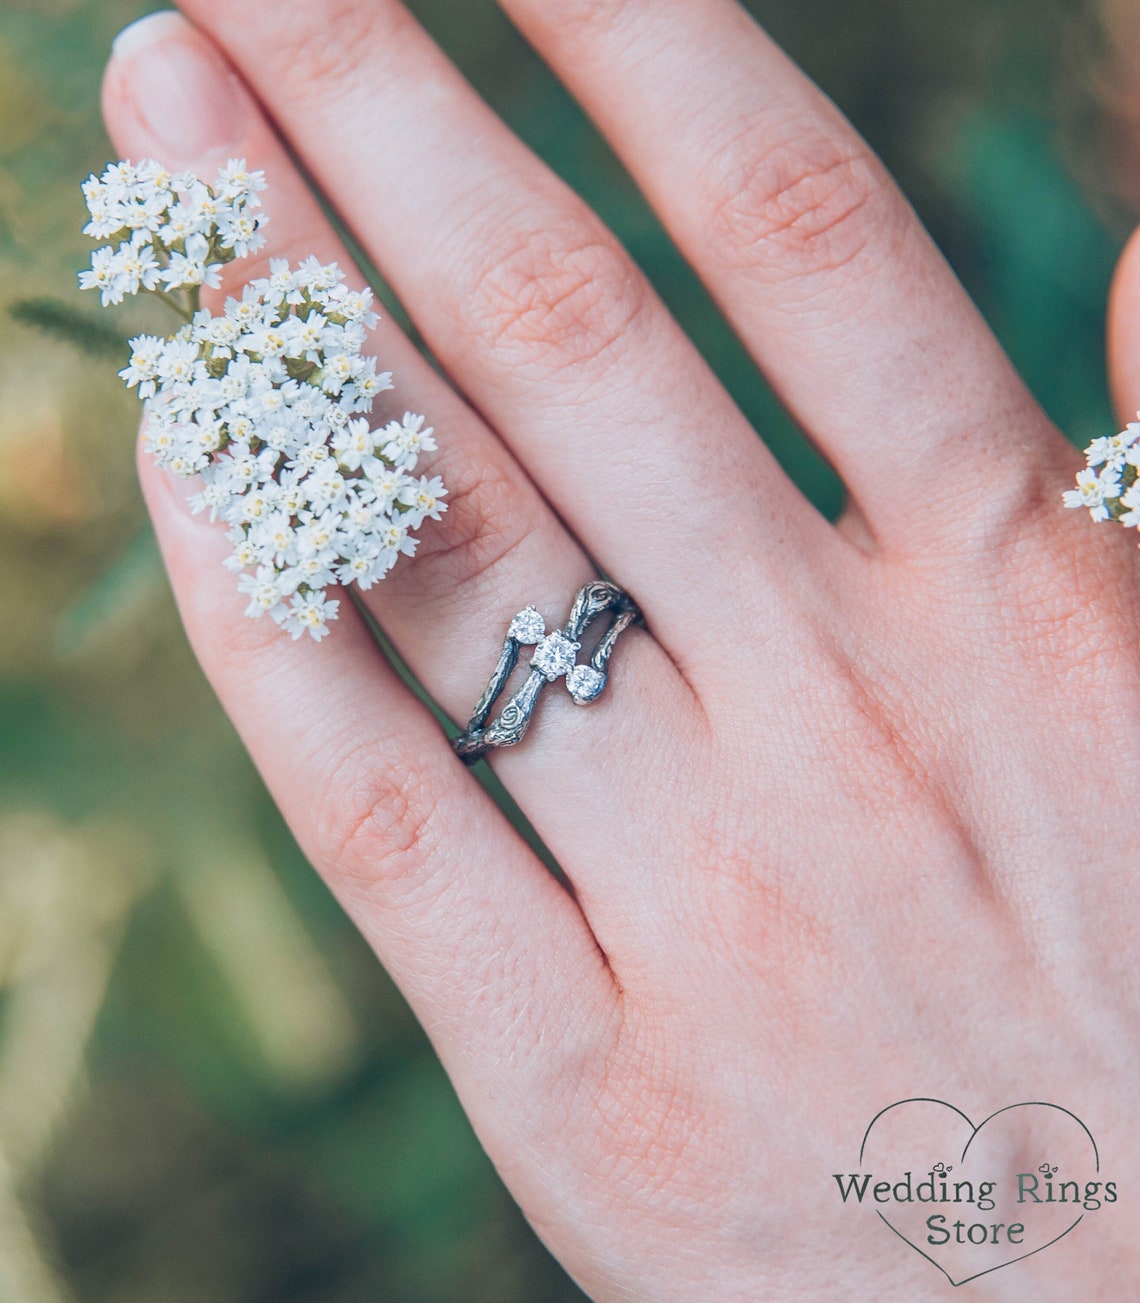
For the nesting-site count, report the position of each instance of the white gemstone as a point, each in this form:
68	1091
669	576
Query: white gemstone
527	627
585	683
554	655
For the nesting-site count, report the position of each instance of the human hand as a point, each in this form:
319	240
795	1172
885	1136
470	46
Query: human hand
851	819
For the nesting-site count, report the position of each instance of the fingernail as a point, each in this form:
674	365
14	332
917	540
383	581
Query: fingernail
146	29
185	94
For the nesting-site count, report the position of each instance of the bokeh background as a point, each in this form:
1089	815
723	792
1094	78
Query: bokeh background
209	1090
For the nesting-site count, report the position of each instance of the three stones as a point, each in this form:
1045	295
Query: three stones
554	656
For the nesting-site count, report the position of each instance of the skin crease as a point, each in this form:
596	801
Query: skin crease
870	841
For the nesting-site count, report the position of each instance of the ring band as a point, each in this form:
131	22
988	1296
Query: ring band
554	656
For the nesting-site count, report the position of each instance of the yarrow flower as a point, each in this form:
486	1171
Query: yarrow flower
1109	486
267	402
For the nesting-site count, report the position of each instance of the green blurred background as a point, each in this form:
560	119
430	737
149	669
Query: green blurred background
209	1091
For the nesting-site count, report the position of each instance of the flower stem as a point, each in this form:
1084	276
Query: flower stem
183	310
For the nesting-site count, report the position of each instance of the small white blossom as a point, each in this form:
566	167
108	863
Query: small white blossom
142	370
424	500
406	439
265	590
1091	492
310	613
1110	451
103	276
1130	501
353	444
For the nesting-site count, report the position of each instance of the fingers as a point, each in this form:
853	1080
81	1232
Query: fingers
530	305
497	549
813	254
480	937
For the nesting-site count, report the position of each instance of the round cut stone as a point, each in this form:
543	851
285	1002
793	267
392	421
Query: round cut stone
527	627
585	683
554	655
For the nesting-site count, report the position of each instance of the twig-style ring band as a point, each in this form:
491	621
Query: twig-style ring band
554	656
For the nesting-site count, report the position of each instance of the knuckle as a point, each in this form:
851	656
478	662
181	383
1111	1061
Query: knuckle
486	524
234	642
555	298
1069	603
319	49
590	17
377	821
237	641
812	203
649	1115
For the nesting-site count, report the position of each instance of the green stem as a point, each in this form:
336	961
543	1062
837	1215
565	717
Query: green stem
185	312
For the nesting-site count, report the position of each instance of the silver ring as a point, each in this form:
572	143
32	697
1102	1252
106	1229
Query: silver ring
554	657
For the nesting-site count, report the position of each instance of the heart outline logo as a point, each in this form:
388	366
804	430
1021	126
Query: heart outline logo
974	1131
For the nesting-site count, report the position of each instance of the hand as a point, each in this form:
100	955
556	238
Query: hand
852	822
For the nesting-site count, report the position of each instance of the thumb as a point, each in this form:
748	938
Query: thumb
1124	332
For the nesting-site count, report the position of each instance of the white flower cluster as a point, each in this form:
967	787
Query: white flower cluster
172	232
267	401
1110	485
